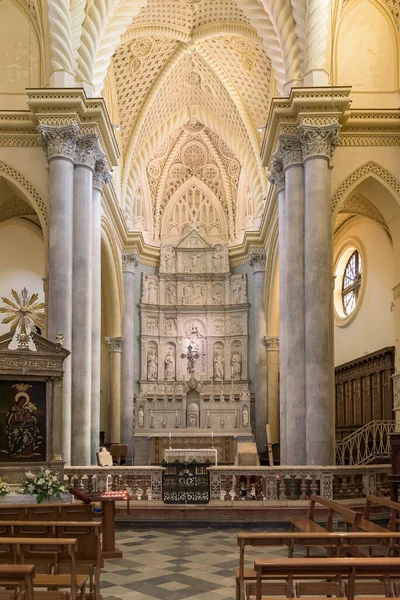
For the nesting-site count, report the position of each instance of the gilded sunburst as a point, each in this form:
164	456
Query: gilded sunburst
23	313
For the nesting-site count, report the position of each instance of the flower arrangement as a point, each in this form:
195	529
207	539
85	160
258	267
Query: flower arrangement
4	488
43	484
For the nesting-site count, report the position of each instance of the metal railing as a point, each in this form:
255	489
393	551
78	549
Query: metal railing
369	443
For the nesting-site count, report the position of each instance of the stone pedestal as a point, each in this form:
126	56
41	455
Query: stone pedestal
257	261
115	349
318	144
85	160
59	144
129	264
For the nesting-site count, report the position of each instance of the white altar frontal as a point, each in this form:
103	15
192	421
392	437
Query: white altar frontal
194	349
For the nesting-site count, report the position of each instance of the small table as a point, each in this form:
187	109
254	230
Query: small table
108	500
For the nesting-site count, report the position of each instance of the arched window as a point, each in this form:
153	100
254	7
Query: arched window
351	282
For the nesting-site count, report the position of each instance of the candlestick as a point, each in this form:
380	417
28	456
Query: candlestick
170	439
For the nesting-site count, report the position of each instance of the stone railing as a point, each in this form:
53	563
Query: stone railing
298	483
144	483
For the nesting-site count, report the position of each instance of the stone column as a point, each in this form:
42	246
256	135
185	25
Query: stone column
85	159
102	175
292	159
318	144
277	177
56	420
59	144
129	264
272	343
114	402
257	261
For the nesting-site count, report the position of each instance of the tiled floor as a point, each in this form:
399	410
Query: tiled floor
175	564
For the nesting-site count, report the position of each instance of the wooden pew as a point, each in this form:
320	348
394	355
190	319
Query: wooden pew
393	506
25	549
88	554
307	524
20	576
338	542
282	568
47	512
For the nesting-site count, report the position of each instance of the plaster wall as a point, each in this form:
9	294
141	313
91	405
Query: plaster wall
372	327
22	261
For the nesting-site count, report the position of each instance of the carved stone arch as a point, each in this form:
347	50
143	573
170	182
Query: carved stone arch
29	191
196	183
357	176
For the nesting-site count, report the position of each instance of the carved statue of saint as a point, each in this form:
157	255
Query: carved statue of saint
218	257
141	417
237	288
169	259
236	365
151	292
195	259
245	416
152	364
218	365
171	297
169	365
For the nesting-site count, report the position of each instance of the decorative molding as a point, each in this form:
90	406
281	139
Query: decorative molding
22	183
59	142
87	148
114	344
276	175
257	260
290	150
130	262
272	343
102	174
319	140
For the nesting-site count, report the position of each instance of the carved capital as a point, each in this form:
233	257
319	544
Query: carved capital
87	150
276	176
58	142
130	261
290	150
319	140
272	343
257	260
114	344
102	172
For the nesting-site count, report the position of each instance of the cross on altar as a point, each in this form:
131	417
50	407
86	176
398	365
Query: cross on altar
191	357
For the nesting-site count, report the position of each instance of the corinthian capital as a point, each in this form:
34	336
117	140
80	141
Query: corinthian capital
276	176
257	260
319	140
290	150
114	344
272	343
58	141
130	261
87	150
102	172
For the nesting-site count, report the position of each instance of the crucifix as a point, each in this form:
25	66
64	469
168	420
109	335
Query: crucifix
191	357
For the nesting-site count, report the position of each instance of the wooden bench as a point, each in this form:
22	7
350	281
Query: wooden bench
20	576
394	508
27	549
88	554
282	568
47	512
307	524
338	542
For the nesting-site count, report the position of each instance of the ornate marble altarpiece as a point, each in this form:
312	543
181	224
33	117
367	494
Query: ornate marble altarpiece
194	349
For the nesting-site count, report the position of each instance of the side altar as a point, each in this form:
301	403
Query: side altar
194	352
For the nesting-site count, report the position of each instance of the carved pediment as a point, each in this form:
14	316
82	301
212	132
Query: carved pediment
193	240
44	347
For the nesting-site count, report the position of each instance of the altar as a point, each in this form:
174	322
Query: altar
194	353
187	455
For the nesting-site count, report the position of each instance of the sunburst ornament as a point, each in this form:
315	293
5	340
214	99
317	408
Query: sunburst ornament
23	314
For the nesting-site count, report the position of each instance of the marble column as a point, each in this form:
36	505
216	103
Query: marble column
102	175
272	343
277	177
257	260
129	263
56	420
85	160
59	144
318	143
291	152
114	401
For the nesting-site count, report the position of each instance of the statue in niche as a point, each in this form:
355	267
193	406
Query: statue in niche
195	260
218	364
245	416
218	257
169	259
192	421
237	288
171	295
236	365
169	365
217	297
151	291
141	417
152	364
185	296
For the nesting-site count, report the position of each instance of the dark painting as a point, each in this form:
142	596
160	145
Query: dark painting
22	421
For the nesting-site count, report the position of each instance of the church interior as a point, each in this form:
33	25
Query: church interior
199	299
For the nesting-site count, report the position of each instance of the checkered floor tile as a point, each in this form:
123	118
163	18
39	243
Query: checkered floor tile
175	564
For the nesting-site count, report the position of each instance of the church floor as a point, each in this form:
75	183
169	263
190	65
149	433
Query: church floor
173	564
